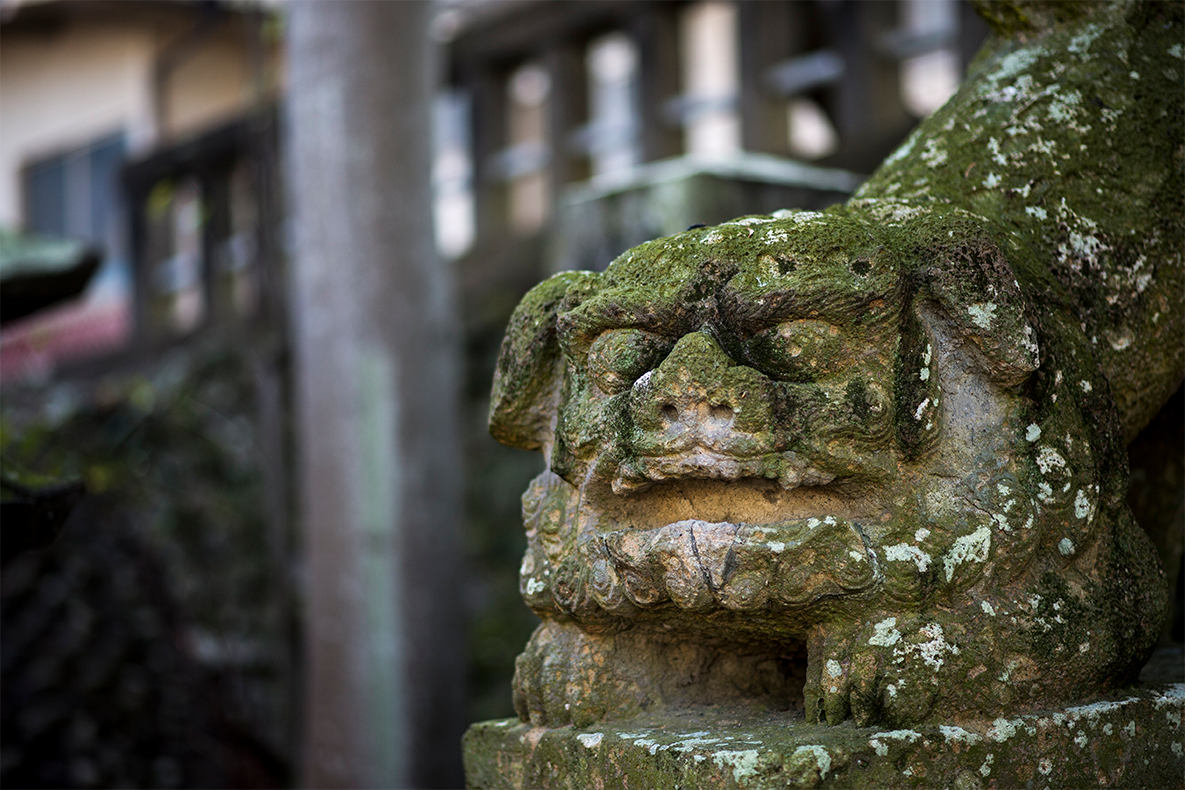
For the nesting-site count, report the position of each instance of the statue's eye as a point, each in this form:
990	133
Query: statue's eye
802	350
620	356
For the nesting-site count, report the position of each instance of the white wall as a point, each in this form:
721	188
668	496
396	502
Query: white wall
88	79
210	86
64	90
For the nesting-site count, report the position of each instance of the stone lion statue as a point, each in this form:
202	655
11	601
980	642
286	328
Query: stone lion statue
871	461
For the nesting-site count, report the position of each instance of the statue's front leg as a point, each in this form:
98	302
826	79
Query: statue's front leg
567	676
884	668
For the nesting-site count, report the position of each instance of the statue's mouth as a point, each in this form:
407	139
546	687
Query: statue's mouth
746	545
745	500
699	565
787	469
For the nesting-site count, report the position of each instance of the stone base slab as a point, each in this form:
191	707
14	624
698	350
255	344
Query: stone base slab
1133	740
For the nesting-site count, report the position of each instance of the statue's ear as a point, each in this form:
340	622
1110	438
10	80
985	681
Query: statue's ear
967	275
525	399
963	293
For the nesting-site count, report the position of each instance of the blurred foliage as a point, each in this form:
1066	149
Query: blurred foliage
175	449
172	462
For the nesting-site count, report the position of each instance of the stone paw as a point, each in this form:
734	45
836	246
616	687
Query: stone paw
885	671
563	677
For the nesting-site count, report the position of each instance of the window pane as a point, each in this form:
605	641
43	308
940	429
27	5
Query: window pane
105	160
45	186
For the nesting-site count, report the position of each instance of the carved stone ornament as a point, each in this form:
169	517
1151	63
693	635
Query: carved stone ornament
871	462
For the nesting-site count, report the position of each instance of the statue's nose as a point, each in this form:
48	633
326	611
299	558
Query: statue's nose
686	393
697	412
698	415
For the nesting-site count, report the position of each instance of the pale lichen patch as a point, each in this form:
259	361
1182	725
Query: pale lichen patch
776	236
968	548
1002	729
885	633
752	220
1048	459
1173	695
1081	42
903	552
590	740
648	744
917	415
821	755
932	155
743	763
1064	110
1009	68
1044	492
1119	340
994	150
982	314
933	650
905	150
877	741
959	735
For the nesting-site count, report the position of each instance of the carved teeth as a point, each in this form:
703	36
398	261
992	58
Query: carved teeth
632	552
677	555
638	474
607	589
697	565
715	542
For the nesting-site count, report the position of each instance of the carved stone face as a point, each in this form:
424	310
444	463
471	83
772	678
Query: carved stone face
784	428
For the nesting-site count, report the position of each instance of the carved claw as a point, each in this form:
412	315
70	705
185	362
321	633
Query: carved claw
887	670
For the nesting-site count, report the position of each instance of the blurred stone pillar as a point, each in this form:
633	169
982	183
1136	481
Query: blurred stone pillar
376	363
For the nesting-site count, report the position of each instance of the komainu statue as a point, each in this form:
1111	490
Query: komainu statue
871	461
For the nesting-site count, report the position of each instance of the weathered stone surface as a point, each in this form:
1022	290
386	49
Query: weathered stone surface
1134	740
814	430
888	437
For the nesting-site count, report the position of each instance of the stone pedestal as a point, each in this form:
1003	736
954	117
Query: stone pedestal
1132	740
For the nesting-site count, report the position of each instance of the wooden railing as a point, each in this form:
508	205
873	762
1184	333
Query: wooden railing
844	56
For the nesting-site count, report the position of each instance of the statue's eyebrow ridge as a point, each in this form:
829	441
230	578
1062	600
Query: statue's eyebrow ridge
581	325
752	314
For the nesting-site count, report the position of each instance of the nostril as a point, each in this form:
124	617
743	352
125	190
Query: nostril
720	412
669	412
